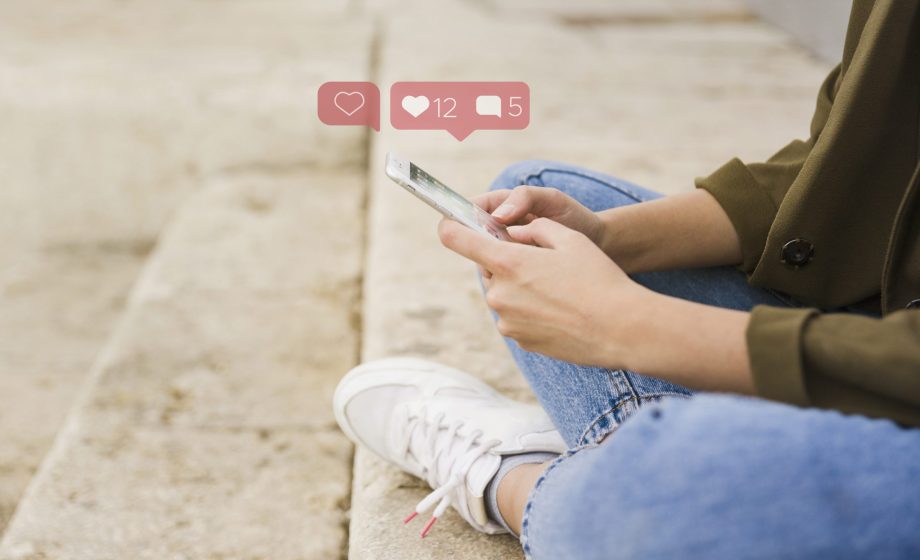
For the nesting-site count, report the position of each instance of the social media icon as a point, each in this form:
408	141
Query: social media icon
459	107
415	105
349	103
489	105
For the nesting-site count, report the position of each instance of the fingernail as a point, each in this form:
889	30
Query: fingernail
503	210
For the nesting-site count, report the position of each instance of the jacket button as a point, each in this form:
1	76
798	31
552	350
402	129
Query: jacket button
798	252
915	304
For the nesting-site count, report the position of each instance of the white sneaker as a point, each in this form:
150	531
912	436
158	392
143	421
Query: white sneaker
442	425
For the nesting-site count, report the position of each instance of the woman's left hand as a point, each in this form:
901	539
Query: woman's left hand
555	292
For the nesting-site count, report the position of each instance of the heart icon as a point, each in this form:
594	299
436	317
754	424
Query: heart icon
415	106
352	101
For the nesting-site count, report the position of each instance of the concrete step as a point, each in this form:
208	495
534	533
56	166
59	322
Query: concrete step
206	430
658	104
115	111
213	393
57	308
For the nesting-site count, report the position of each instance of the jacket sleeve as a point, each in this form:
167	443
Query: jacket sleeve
751	194
848	362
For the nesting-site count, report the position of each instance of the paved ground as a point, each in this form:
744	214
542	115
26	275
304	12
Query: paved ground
183	136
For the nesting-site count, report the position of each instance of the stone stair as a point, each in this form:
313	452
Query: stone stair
203	429
57	307
206	429
173	146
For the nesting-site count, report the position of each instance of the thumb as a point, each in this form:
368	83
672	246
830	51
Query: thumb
541	232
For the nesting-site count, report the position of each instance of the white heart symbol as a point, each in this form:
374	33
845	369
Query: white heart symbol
415	106
357	103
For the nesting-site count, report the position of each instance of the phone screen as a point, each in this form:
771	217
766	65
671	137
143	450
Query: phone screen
443	195
447	201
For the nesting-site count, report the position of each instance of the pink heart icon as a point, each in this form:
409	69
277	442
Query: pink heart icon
352	101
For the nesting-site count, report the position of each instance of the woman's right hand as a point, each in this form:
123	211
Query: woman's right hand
686	230
522	205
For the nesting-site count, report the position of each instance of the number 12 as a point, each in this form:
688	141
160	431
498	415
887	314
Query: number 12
447	100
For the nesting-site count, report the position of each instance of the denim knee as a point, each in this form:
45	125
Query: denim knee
597	191
562	518
784	481
518	173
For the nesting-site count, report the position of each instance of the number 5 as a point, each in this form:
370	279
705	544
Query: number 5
512	105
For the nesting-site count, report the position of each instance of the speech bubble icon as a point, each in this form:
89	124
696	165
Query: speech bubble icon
489	105
459	107
349	104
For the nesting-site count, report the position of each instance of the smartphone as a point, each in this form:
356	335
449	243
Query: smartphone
443	199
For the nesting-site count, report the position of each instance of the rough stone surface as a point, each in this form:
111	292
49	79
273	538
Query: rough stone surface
621	12
821	25
57	307
207	431
114	112
657	103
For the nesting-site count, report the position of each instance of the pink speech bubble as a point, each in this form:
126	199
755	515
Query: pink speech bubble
460	107
349	103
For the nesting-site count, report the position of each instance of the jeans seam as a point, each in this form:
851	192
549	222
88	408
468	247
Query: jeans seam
582	439
525	179
607	414
622	190
632	387
525	518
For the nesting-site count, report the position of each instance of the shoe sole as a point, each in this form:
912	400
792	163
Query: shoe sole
348	385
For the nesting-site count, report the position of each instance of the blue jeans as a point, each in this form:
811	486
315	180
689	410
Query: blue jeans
705	476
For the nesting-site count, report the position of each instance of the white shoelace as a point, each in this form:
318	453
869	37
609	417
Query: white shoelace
458	454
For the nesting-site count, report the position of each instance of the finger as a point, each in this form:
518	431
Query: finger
525	200
484	273
541	232
527	219
491	200
479	248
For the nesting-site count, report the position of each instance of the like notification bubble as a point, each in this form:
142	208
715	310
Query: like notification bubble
460	107
349	103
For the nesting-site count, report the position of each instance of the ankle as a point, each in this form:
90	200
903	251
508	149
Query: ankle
514	491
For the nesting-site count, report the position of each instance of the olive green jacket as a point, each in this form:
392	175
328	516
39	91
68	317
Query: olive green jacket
834	221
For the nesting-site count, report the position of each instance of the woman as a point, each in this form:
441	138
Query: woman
796	280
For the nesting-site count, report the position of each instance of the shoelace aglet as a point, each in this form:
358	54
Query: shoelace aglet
410	517
427	527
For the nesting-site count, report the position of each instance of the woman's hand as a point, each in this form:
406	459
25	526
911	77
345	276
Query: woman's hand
555	292
523	204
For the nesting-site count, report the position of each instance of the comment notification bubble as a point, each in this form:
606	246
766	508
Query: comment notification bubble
489	105
349	103
460	107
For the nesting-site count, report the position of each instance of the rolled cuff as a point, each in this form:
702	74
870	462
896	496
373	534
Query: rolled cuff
774	339
748	206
